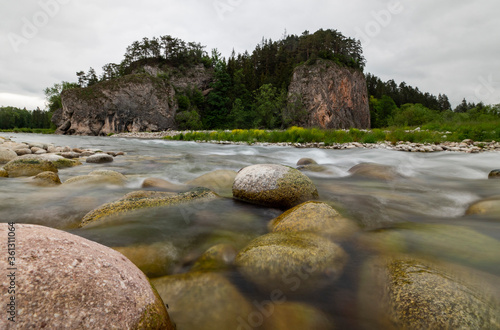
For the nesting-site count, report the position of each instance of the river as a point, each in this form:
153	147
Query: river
424	199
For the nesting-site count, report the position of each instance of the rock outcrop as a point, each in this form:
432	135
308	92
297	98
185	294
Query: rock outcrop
141	101
333	96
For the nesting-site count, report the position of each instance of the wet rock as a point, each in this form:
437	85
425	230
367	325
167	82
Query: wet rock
375	171
3	173
6	155
220	181
296	316
98	177
218	257
414	294
154	260
312	168
314	217
47	179
68	282
28	167
146	199
158	183
38	151
291	262
306	161
99	158
58	161
70	155
203	301
23	151
487	207
495	174
273	185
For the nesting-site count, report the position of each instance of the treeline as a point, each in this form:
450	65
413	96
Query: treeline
13	118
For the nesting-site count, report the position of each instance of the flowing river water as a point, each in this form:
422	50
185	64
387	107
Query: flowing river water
417	208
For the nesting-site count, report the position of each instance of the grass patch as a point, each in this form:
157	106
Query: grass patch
30	130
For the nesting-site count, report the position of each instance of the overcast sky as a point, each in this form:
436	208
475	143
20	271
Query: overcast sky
446	46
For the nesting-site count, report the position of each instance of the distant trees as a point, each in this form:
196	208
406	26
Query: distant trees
12	118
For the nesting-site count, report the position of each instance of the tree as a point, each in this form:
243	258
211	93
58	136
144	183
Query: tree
269	104
381	110
53	95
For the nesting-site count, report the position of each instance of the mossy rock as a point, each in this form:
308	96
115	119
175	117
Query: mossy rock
443	242
28	167
99	177
316	217
291	262
203	301
66	163
375	171
218	257
146	199
220	181
407	293
47	179
3	173
157	183
296	316
486	207
273	185
154	260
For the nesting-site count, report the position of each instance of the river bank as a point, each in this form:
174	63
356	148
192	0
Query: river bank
467	146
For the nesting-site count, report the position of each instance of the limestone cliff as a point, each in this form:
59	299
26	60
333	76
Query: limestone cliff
333	96
141	101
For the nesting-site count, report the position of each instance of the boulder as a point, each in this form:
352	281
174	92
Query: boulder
415	294
306	161
70	155
203	301
220	181
99	158
28	167
154	260
98	177
291	262
157	183
23	151
3	173
273	185
316	217
68	282
6	155
58	161
487	207
146	199
495	174
375	171
47	179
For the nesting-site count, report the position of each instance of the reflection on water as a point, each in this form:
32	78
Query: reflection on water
418	211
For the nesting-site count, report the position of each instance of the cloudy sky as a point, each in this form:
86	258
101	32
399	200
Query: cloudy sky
449	47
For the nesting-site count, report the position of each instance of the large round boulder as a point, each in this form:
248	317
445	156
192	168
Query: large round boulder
63	281
99	158
291	262
316	217
203	301
406	293
98	177
273	185
6	155
28	167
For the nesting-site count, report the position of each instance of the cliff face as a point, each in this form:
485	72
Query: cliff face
333	96
132	103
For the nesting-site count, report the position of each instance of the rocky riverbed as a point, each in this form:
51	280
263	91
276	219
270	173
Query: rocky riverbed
467	146
249	237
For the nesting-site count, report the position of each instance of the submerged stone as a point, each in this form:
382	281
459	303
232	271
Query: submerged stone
203	301
291	262
296	316
375	171
495	174
68	282
487	207
157	183
47	179
273	185
99	158
218	257
220	181
98	177
146	199
6	155
306	161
